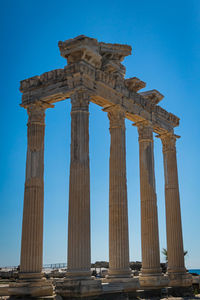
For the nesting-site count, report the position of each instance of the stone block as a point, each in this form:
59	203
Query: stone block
153	281
180	280
37	288
78	288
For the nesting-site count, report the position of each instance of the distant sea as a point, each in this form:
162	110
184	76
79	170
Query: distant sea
194	271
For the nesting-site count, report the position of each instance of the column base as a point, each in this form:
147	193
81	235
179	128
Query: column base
179	279
32	288
118	274
71	287
77	275
153	280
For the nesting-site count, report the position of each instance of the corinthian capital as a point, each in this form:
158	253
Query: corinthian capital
116	115
145	130
168	141
36	111
36	124
80	101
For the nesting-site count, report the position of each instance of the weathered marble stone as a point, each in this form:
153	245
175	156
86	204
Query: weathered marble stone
134	84
175	252
118	210
95	73
154	96
151	272
31	281
79	256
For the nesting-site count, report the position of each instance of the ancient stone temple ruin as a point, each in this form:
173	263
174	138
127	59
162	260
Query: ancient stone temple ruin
95	73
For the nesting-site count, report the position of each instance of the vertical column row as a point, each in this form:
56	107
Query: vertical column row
79	253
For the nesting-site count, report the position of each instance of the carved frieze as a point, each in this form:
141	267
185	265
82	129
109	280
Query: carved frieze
106	78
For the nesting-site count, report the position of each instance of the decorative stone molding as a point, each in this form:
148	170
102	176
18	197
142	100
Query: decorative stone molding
46	78
112	56
114	51
154	96
134	84
81	48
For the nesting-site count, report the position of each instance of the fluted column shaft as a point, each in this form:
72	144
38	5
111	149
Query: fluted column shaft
149	215
79	257
118	211
175	251
32	227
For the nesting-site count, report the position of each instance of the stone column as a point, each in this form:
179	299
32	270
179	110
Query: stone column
175	252
79	189
151	272
32	227
78	281
118	211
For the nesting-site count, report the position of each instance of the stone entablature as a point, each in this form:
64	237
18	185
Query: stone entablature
96	67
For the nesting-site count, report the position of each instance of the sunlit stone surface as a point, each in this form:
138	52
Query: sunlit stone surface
95	73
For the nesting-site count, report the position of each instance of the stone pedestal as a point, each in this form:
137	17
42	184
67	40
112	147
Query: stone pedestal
175	252
31	281
118	212
78	288
151	275
31	288
126	284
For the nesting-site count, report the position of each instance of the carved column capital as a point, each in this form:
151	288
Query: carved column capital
145	131
80	101
168	141
116	115
36	124
36	112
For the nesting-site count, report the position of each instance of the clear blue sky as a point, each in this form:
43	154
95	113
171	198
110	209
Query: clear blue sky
165	37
